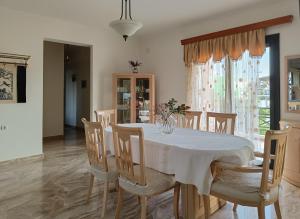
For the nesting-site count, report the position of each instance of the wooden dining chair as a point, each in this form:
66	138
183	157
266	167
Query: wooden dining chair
252	185
224	122
136	178
106	117
102	166
192	119
179	119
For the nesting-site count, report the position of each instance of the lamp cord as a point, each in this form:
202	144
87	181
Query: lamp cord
130	9
127	4
122	10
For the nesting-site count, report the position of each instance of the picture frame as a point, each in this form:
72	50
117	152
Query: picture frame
13	78
8	83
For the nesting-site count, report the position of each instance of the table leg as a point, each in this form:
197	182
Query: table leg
192	203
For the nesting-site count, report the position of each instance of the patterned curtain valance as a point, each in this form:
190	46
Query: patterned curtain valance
231	45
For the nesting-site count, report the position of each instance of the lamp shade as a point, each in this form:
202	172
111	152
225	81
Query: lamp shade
126	27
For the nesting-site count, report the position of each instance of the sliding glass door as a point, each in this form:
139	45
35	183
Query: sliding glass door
250	79
248	86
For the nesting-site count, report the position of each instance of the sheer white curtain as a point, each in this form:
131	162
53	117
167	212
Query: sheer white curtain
245	85
228	86
206	86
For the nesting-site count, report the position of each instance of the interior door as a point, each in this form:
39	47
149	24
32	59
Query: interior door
70	98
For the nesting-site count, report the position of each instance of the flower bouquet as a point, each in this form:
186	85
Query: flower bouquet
167	112
134	66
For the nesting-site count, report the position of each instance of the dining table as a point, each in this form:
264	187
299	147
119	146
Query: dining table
188	154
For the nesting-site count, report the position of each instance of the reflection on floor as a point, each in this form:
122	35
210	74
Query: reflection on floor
56	188
73	136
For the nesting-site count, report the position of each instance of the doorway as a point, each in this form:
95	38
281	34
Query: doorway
66	86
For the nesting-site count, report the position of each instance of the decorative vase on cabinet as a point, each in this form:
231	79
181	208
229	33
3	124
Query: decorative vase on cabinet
134	97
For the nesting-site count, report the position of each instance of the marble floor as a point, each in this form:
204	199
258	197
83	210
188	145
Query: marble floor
56	188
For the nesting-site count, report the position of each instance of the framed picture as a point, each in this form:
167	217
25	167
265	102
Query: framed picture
13	78
8	83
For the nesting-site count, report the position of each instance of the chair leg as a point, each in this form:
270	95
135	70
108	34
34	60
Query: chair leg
277	209
261	212
235	207
104	201
206	200
143	207
119	203
139	199
90	187
176	200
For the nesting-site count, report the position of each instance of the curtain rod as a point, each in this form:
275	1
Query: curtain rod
245	28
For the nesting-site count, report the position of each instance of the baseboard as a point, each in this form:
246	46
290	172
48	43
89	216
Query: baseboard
53	138
32	158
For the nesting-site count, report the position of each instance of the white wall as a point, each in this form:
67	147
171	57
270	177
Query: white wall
53	90
162	53
24	33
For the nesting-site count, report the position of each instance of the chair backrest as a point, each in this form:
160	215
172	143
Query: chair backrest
192	119
105	117
96	147
123	137
179	118
279	140
222	122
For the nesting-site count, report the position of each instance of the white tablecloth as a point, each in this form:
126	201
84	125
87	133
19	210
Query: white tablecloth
187	153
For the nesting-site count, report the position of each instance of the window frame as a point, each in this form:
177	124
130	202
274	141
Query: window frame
273	41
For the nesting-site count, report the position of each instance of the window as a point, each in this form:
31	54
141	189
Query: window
241	87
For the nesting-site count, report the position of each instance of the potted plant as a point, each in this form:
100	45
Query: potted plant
134	66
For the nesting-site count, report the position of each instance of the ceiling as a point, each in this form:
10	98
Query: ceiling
154	14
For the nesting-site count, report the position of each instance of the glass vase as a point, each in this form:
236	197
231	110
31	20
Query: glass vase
135	69
168	125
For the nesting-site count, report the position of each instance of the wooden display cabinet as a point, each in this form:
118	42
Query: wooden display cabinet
134	97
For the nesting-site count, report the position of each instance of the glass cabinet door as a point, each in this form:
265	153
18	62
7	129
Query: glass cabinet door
123	100
142	103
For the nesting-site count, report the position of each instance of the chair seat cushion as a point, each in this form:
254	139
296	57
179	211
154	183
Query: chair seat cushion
242	186
110	175
157	183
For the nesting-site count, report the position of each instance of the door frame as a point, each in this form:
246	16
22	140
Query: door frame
273	41
90	46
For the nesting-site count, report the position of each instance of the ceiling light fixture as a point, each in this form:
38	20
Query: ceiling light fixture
126	26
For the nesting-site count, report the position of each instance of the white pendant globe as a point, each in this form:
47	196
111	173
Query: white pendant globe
126	27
